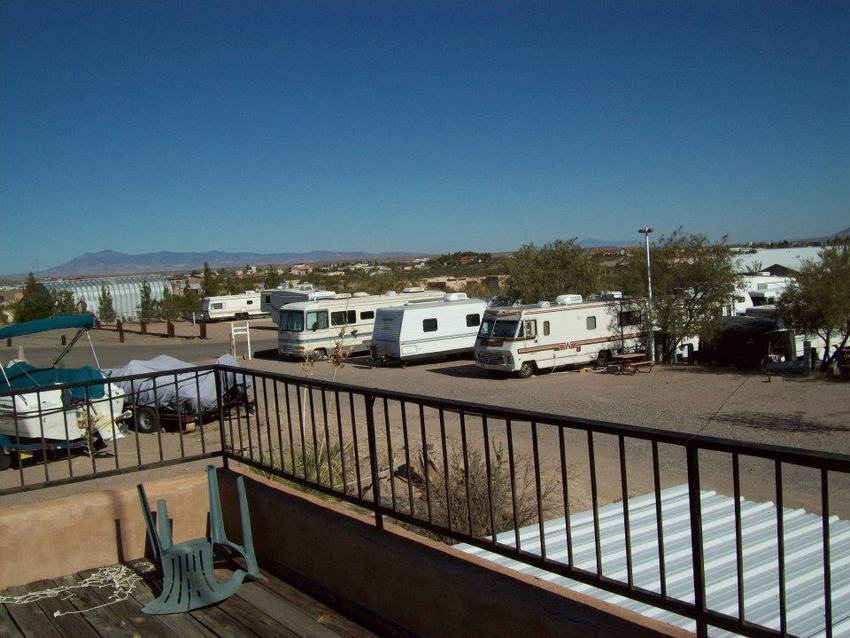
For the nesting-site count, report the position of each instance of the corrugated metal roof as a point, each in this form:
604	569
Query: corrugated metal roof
803	558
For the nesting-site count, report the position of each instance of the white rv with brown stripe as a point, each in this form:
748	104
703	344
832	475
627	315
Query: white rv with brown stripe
527	339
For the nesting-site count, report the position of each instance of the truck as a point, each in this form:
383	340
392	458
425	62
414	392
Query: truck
426	330
533	338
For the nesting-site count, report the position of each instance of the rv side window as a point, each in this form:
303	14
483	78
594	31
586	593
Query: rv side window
317	320
629	318
368	314
473	320
268	298
429	325
486	327
545	328
291	321
530	329
250	302
342	317
217	306
591	323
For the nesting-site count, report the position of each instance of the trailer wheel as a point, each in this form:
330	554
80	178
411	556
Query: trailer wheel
603	357
146	420
526	370
5	460
320	354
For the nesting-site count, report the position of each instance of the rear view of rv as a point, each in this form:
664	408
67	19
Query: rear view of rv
229	307
427	330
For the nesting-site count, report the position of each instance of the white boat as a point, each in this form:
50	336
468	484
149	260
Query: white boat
35	409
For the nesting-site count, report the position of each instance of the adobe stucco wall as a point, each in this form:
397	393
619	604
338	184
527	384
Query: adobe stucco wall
422	586
62	536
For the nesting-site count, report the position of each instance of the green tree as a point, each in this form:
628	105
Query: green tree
189	303
692	280
35	303
63	302
272	279
105	309
561	267
818	301
170	305
210	284
148	308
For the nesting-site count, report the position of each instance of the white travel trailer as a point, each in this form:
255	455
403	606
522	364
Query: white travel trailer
273	299
422	330
526	339
243	306
314	327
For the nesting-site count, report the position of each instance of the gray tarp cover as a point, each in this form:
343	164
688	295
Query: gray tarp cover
187	388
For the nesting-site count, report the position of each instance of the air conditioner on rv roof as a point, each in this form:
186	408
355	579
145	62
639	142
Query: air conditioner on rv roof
564	300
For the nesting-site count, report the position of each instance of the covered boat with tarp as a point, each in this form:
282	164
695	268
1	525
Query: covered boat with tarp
38	411
172	389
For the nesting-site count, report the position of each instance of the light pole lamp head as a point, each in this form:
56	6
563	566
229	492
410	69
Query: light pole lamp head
645	231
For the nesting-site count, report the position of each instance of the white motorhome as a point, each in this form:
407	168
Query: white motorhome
314	327
224	307
526	339
273	299
422	330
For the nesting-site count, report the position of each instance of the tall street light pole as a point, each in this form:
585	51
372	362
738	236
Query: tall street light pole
651	336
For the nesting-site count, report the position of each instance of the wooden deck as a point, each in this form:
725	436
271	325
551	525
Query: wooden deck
268	607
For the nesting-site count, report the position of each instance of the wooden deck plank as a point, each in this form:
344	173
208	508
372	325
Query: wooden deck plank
183	624
7	625
299	621
317	610
30	618
109	621
222	623
257	620
68	625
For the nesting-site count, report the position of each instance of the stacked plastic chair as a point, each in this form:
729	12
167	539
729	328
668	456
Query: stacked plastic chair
188	576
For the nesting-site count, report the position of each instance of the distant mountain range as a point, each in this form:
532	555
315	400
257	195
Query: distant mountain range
110	262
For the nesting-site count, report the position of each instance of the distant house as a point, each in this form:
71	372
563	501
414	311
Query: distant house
300	269
780	262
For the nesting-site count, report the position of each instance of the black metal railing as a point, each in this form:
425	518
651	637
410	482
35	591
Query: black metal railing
497	478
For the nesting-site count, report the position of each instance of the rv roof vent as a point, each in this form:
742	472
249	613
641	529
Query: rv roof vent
563	300
342	295
410	289
455	296
611	294
360	294
543	304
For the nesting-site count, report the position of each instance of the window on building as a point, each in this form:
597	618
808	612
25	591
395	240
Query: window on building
545	328
473	320
591	323
368	314
429	325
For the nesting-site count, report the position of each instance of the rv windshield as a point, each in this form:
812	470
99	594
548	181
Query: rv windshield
291	320
491	327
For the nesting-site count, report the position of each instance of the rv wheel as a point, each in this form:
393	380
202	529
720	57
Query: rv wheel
603	357
320	354
5	461
526	370
146	421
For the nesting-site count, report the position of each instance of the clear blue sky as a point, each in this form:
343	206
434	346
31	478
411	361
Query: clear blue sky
428	126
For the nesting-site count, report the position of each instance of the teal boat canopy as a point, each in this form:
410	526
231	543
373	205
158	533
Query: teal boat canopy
23	376
51	323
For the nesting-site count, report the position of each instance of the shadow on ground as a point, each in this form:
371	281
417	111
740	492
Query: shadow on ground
780	422
466	371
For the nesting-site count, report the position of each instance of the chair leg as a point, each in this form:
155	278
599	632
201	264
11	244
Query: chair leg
247	536
217	533
164	524
151	529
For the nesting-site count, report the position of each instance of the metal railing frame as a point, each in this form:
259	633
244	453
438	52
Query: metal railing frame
232	450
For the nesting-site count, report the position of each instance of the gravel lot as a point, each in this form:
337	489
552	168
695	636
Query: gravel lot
803	414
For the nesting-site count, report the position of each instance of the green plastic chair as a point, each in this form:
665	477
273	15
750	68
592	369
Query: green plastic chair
188	576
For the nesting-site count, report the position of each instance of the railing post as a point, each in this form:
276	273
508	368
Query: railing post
369	401
696	537
221	435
